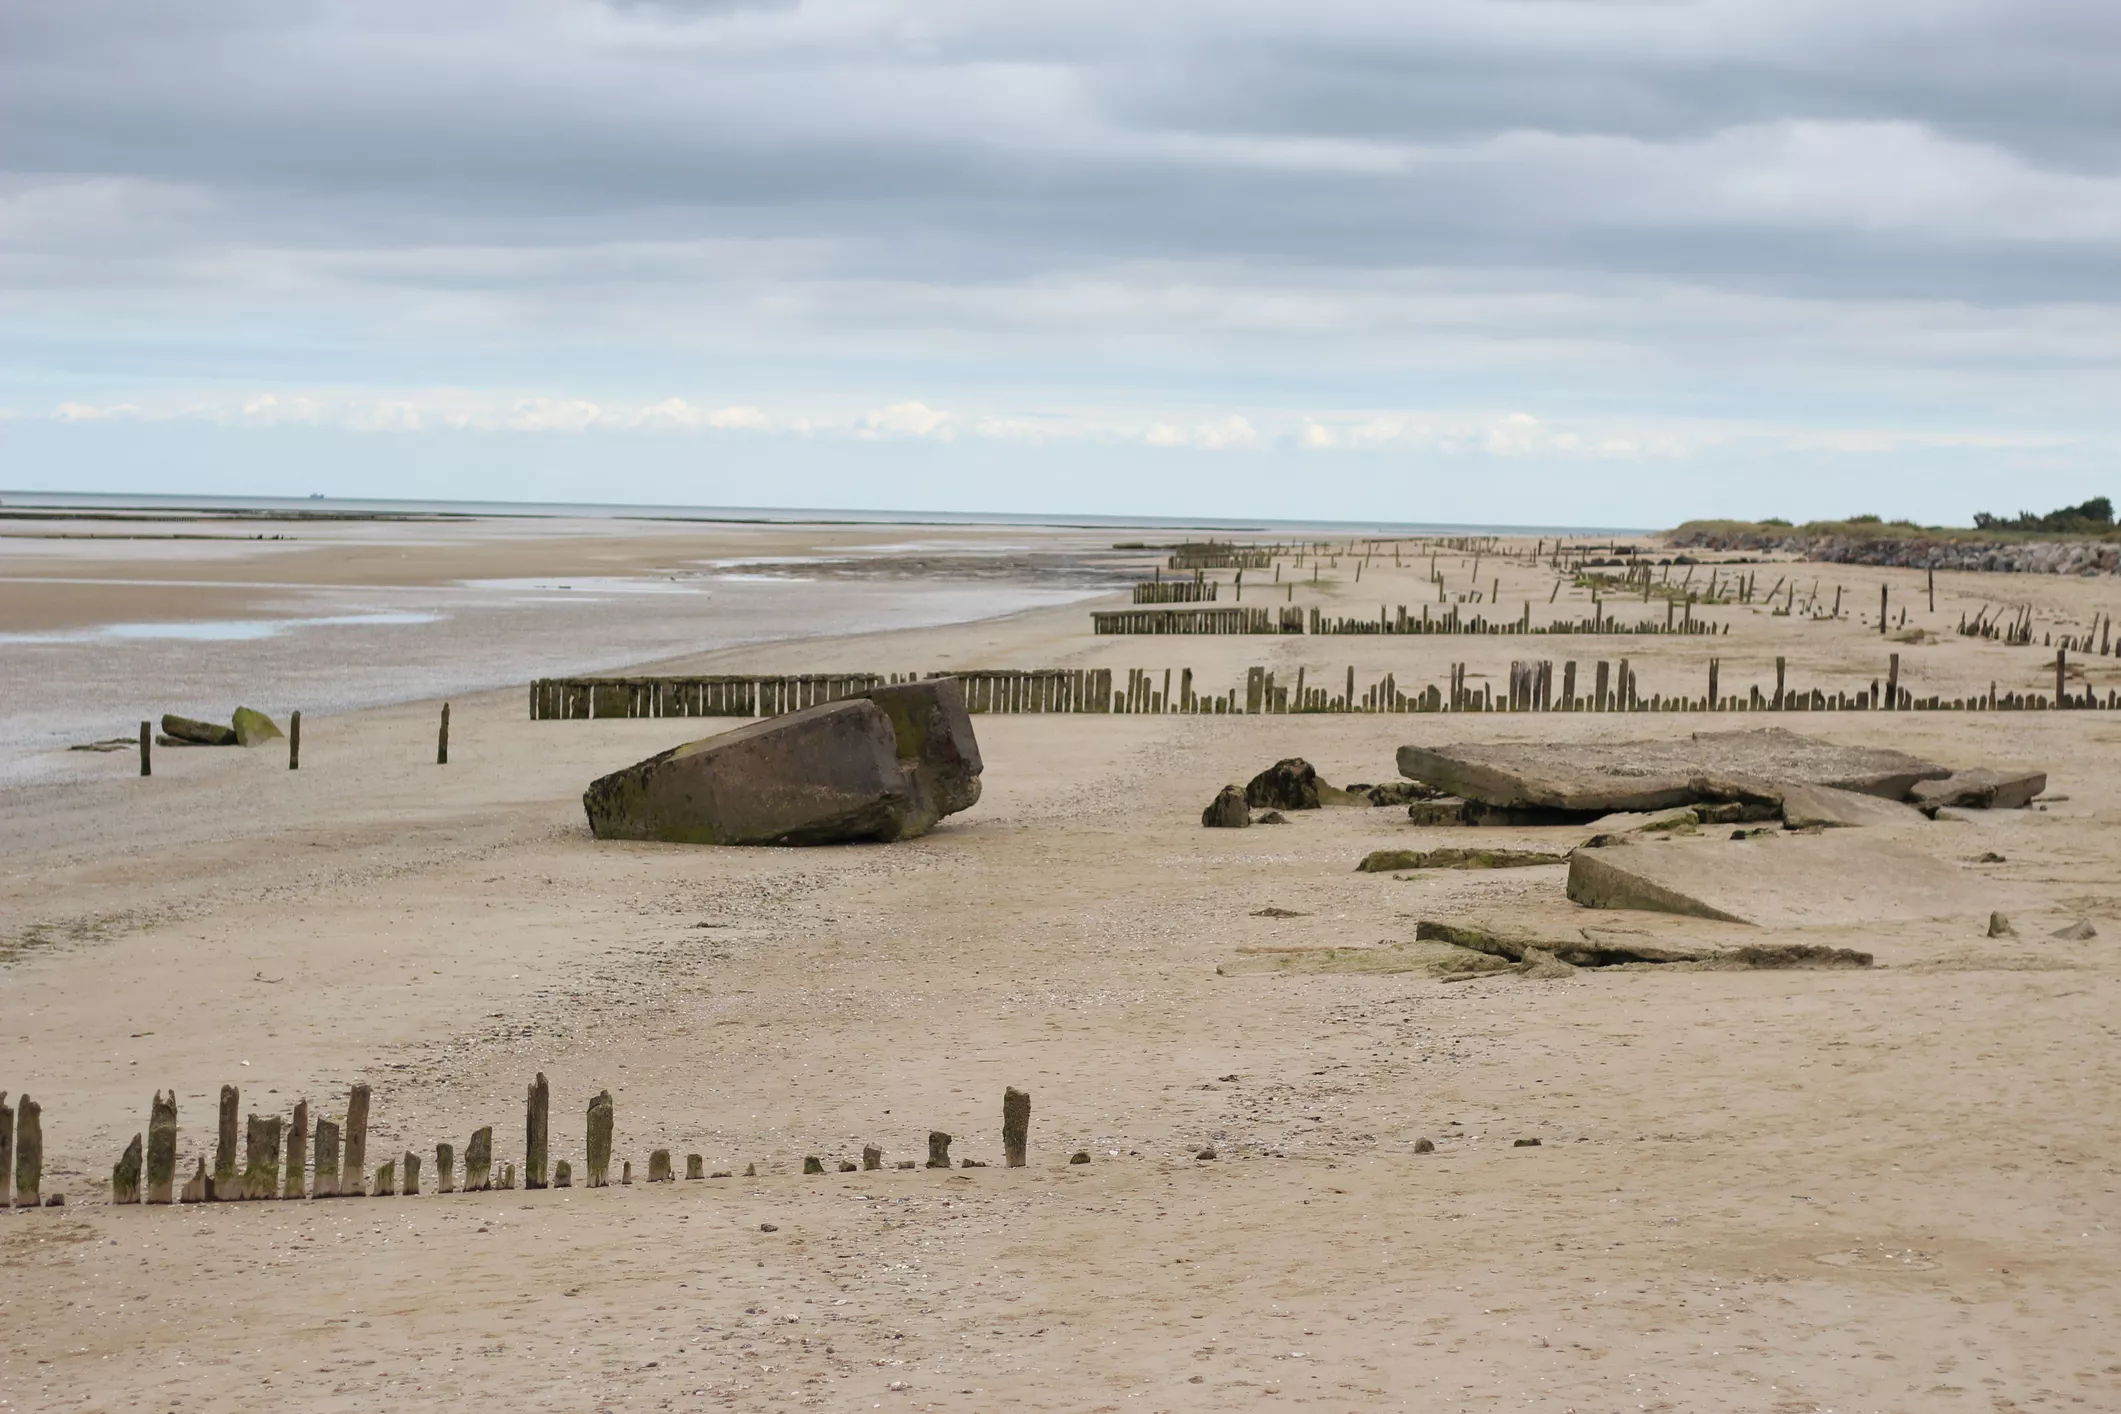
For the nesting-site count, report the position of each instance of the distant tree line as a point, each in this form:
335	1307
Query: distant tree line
2095	516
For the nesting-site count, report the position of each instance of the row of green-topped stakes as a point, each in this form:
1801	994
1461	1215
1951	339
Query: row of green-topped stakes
330	1161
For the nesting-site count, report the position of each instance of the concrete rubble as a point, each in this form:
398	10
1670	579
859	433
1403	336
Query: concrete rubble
886	764
1786	881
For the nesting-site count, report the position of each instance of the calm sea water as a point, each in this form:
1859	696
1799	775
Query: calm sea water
266	506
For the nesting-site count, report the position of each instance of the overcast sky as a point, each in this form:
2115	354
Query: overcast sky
1555	261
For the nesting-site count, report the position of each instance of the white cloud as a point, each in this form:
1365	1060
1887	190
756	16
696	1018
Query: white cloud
93	412
909	419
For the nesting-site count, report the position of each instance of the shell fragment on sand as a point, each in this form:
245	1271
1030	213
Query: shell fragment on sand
885	765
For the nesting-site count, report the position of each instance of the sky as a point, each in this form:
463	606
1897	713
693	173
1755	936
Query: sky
1524	261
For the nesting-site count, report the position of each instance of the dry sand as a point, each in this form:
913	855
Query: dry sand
1891	1189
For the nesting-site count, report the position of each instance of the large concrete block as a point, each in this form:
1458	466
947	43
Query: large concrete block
934	732
1601	777
885	766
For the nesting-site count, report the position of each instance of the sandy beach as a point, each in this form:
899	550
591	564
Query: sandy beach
1889	1188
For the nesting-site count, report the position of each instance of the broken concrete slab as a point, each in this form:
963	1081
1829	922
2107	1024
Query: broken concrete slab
1680	819
1598	778
856	769
1792	881
1807	807
1227	811
1578	951
196	733
934	732
1385	861
1980	789
1289	784
1442	810
253	728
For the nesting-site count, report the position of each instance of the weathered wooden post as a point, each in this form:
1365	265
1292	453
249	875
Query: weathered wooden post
442	741
478	1161
562	1174
659	1166
445	1168
261	1158
1780	667
296	1170
600	1119
412	1174
125	1175
195	1187
161	1148
353	1175
1016	1126
2061	666
1882	625
872	1158
938	1149
1892	684
1715	664
7	1152
294	741
695	1166
386	1180
325	1183
147	748
29	1152
225	1147
536	1128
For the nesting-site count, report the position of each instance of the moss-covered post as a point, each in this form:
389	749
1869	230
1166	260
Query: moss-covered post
297	1152
353	1172
412	1174
325	1184
600	1118
478	1161
7	1151
659	1166
261	1158
938	1149
537	1125
1016	1126
29	1152
162	1148
125	1175
225	1146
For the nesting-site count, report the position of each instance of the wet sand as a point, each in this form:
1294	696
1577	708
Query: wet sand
1778	1191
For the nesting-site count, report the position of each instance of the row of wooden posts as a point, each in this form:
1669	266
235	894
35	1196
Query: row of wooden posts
1608	687
283	1159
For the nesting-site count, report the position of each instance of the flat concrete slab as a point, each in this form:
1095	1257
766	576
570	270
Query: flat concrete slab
1655	775
1806	806
1786	881
1981	789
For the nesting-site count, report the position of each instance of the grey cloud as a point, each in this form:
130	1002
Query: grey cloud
811	158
